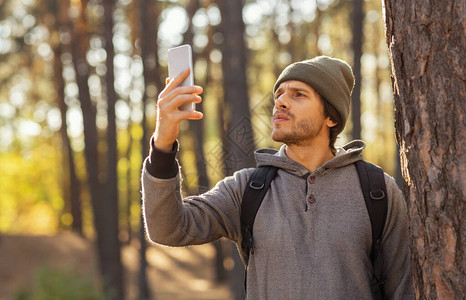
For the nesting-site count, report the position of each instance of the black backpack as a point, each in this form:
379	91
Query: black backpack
373	188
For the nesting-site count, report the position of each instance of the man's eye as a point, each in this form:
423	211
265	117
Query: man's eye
298	94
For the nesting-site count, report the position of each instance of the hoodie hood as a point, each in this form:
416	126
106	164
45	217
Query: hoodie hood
346	155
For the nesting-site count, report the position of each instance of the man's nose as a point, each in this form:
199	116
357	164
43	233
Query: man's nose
282	102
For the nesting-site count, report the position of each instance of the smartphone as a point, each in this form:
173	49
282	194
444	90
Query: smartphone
179	59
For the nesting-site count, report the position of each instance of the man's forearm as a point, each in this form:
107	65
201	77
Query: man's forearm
173	220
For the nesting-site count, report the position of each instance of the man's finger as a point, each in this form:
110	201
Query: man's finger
175	82
183	91
188	115
196	115
182	99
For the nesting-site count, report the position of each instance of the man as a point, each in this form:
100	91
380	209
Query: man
312	233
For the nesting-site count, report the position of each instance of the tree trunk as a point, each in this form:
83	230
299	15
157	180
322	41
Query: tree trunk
239	133
107	250
291	48
72	191
110	226
129	188
149	15
79	47
235	88
197	126
317	28
221	274
357	18
197	129
427	49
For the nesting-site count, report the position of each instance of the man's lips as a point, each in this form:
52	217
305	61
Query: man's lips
280	118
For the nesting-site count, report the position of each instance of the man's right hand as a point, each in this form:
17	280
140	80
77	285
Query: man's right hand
169	114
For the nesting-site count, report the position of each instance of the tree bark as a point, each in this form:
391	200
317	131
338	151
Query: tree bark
427	50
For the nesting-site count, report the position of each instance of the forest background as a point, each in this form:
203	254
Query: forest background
78	88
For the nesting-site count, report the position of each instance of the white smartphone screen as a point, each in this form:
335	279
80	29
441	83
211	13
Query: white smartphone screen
179	59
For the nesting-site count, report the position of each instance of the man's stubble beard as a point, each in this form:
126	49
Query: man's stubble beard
299	134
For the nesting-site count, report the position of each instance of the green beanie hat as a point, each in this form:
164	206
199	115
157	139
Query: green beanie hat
330	77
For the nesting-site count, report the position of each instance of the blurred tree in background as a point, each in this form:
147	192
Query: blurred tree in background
78	86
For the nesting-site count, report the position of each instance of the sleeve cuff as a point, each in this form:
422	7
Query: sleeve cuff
162	164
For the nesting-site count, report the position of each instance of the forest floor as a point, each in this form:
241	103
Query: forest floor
173	273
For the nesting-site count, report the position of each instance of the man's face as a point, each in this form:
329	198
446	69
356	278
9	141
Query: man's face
298	114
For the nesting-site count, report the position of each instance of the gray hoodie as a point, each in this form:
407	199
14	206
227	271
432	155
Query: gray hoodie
316	249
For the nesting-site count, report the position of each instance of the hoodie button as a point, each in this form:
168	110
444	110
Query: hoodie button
311	199
311	179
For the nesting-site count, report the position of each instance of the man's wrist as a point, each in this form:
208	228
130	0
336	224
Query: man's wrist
163	147
161	163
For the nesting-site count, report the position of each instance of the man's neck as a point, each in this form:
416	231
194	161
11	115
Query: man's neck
311	156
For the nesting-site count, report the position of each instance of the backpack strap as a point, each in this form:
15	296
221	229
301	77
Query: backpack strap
374	190
254	193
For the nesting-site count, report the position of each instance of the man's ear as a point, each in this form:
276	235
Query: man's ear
331	123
